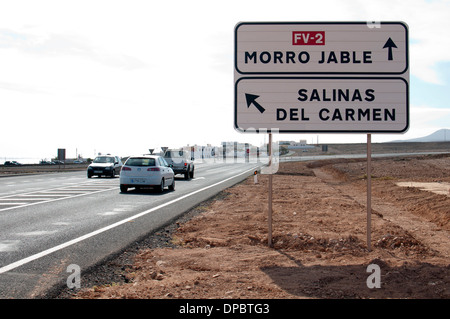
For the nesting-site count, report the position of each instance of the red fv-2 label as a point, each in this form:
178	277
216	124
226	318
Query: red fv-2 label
308	37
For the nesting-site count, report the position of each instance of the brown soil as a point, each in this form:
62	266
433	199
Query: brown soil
319	238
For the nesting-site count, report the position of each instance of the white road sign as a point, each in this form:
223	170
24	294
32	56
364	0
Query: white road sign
322	104
321	48
321	77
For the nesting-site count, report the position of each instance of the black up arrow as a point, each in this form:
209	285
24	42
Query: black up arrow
390	44
251	100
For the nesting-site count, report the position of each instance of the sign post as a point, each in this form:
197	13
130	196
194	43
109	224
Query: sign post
322	77
269	217
369	191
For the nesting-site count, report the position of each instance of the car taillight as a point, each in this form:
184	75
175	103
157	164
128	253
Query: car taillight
124	168
153	169
185	164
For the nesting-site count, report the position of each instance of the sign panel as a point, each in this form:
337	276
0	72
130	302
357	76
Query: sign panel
321	77
321	104
321	48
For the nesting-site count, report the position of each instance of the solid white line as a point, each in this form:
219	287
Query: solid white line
19	199
42	195
101	230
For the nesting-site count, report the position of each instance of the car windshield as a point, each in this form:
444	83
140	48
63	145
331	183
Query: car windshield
140	161
104	159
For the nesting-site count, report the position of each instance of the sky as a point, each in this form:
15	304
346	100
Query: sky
125	76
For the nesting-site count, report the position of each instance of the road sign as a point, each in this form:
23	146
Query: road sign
322	104
321	48
321	77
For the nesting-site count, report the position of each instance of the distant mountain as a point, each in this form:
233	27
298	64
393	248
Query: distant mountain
442	135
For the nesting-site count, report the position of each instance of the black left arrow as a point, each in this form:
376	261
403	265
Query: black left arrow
389	44
251	100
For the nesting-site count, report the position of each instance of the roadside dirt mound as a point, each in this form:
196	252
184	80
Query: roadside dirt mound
319	239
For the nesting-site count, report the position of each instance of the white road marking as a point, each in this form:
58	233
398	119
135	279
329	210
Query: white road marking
42	195
61	224
54	194
9	245
21	199
108	213
114	225
37	233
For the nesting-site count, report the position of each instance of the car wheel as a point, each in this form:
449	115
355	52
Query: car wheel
192	173
89	175
113	173
161	187
186	175
123	188
172	187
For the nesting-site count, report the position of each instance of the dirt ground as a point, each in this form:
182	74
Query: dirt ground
319	238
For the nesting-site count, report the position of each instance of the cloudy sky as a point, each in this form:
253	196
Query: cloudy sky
126	76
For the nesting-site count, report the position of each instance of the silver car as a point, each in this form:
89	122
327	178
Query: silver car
181	164
106	165
146	171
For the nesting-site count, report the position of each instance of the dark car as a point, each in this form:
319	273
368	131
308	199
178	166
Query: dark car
181	163
11	163
106	165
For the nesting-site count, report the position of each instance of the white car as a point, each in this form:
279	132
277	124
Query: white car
146	171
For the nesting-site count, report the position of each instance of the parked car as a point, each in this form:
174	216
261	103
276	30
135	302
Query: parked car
181	163
147	171
107	165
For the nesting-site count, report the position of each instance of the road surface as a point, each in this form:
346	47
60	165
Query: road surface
51	221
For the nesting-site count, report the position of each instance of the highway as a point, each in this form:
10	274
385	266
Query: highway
51	221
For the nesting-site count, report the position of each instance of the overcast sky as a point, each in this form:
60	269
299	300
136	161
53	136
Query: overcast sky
126	76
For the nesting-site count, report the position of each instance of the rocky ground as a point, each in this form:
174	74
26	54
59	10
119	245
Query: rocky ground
220	248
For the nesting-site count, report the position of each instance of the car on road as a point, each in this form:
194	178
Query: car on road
181	162
106	165
11	163
147	171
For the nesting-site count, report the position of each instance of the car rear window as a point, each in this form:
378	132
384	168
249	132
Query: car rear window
142	161
174	154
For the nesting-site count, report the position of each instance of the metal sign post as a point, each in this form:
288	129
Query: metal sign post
269	217
369	190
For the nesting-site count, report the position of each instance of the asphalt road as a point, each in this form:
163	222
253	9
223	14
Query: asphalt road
51	221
